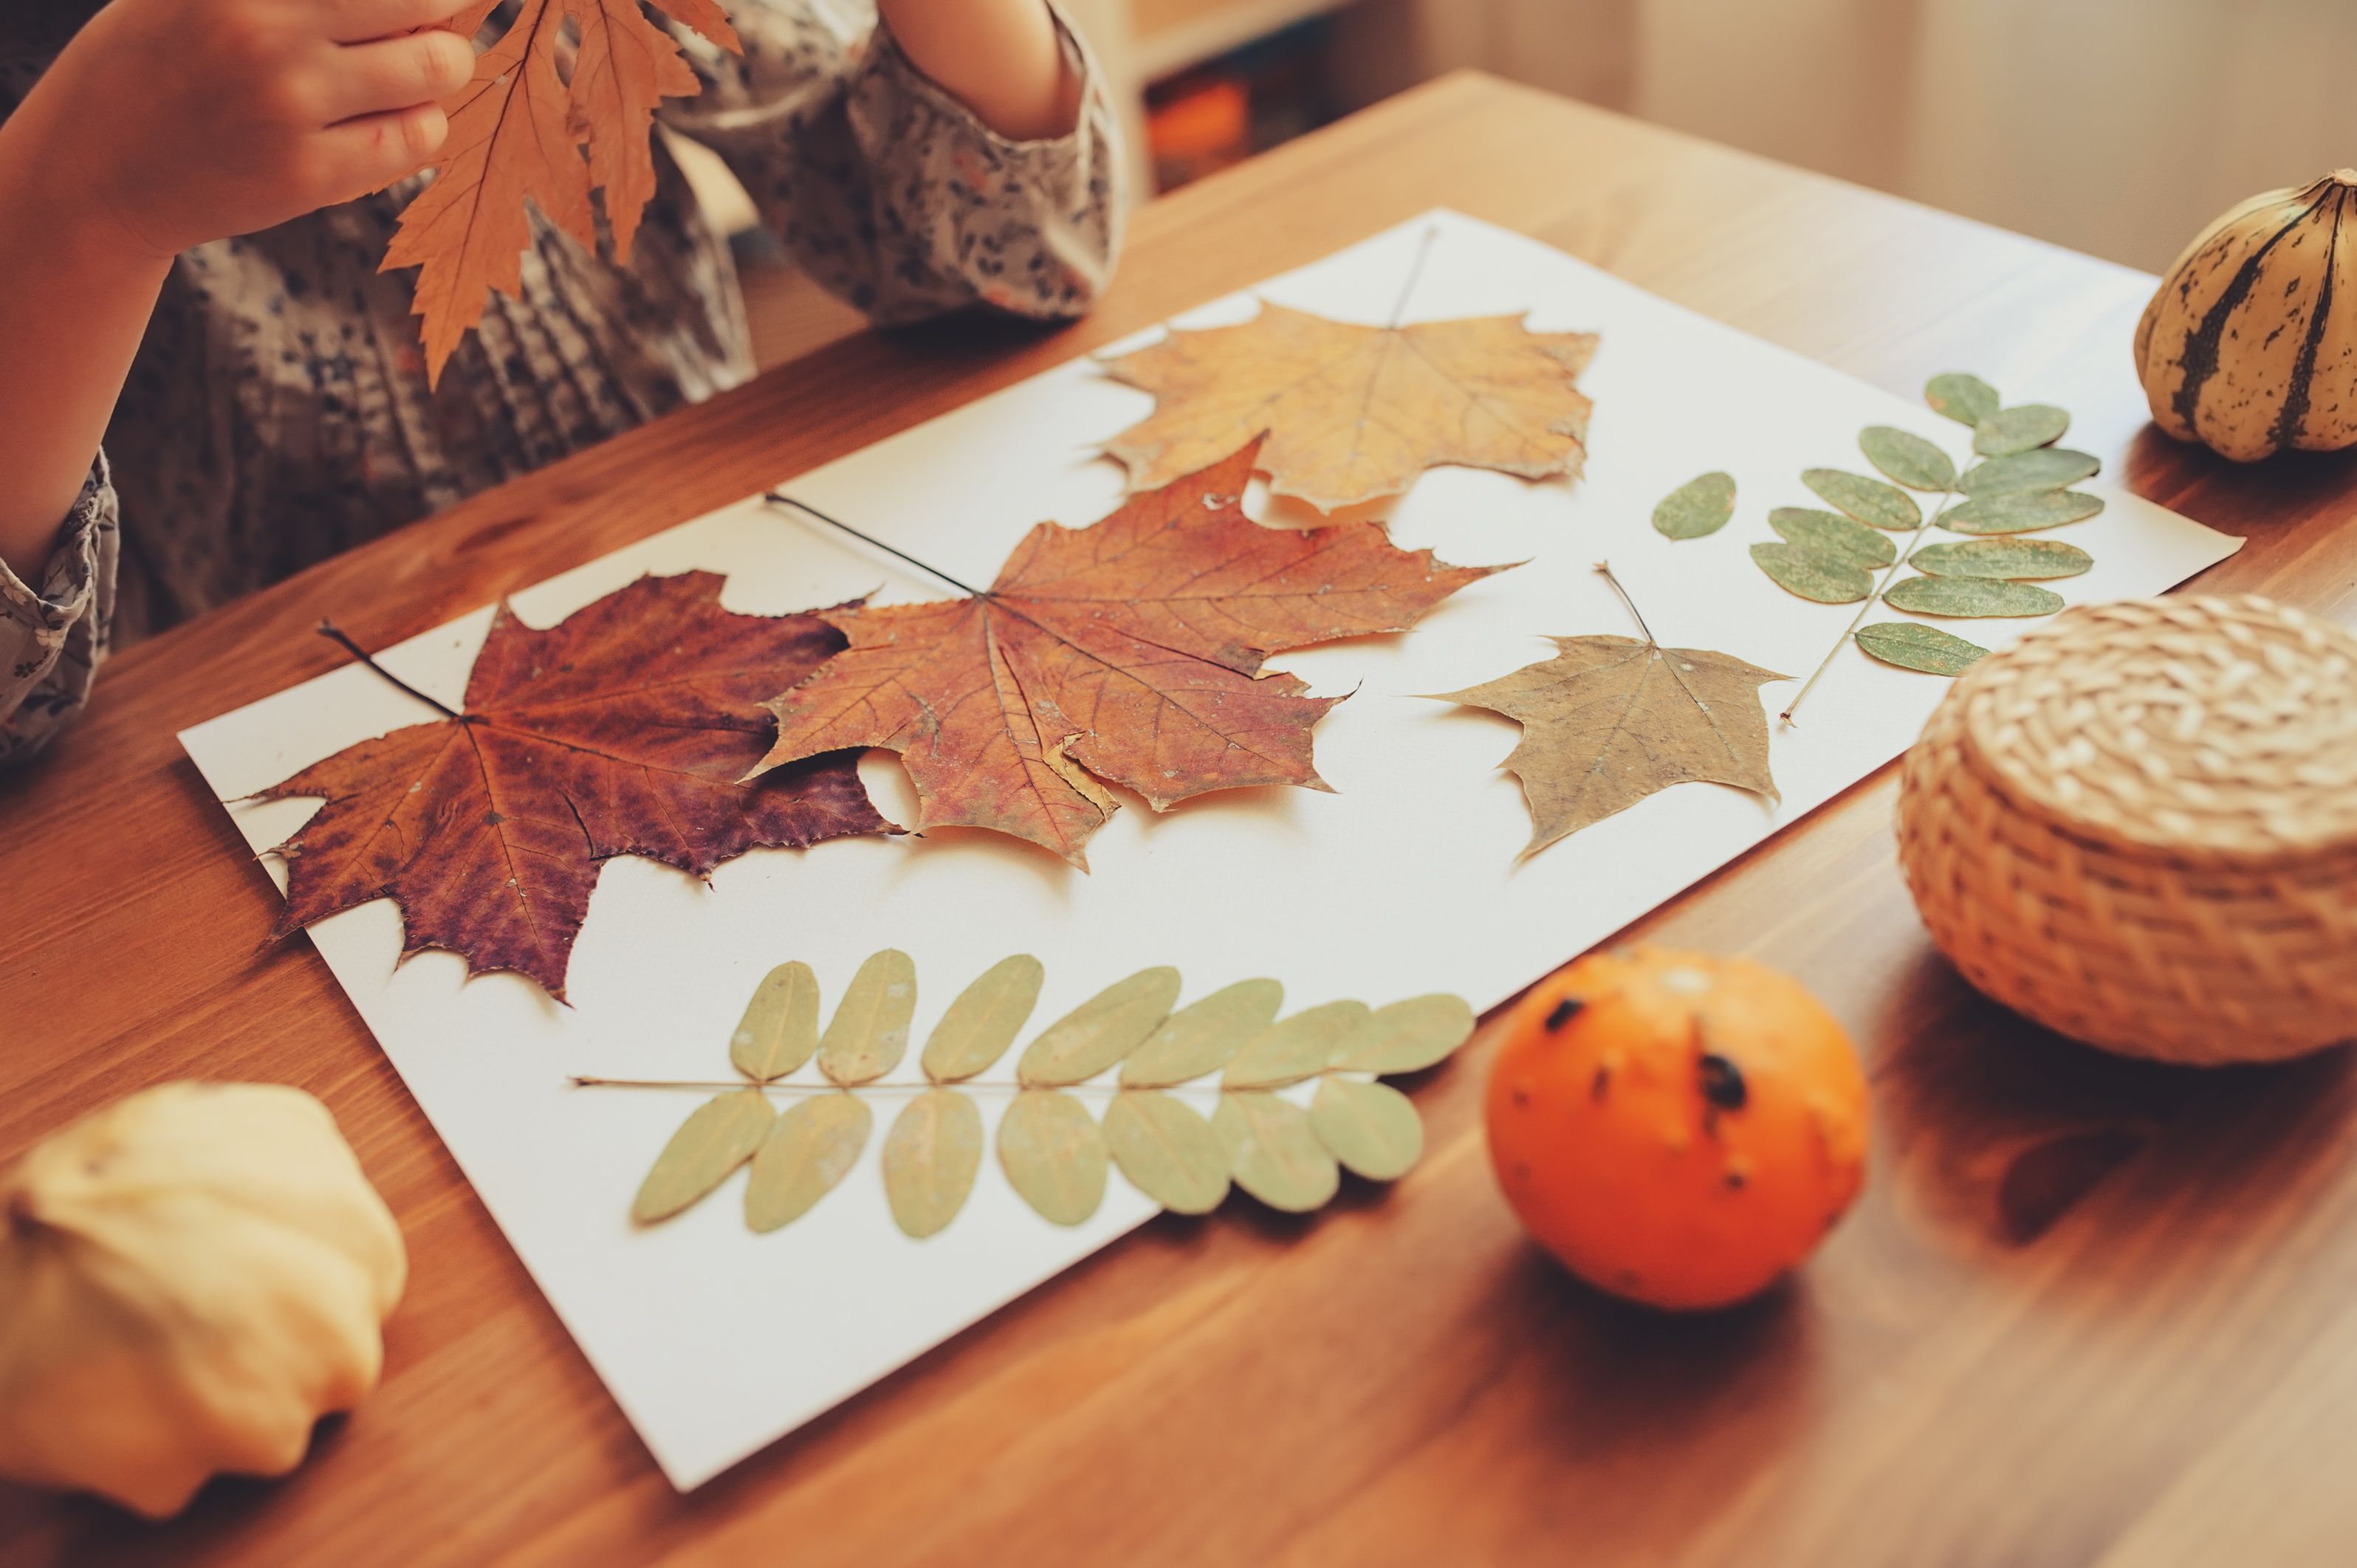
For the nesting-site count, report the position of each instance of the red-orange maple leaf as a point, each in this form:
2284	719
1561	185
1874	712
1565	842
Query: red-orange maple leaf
516	134
1130	651
624	729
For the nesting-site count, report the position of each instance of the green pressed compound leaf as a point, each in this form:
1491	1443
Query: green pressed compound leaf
780	1028
2023	512
1813	573
2018	429
1100	1031
1167	1151
1923	648
983	1020
1273	1153
1966	399
717	1136
930	1159
870	1032
2014	560
1696	508
1869	500
1970	596
1831	533
1200	1036
1053	1155
1907	457
1297	1048
2040	468
1371	1128
1406	1037
807	1151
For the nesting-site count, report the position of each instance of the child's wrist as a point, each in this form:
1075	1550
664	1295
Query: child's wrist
47	203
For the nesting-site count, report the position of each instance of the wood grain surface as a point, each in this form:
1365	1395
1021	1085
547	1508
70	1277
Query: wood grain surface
2088	1311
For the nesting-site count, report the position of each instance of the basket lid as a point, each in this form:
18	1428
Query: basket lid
2202	724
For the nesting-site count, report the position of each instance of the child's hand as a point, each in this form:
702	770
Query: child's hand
172	122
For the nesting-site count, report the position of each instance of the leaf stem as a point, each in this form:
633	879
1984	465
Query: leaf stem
1414	272
776	499
1606	568
1013	1085
1874	598
335	634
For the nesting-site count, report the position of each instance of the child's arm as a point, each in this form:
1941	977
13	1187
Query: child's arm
970	158
999	58
163	124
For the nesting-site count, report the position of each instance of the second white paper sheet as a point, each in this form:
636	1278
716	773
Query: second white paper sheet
1404	880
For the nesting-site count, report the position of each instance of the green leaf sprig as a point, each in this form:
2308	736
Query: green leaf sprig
2016	481
1055	1153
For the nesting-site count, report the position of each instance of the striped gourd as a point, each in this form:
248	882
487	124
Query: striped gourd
2250	345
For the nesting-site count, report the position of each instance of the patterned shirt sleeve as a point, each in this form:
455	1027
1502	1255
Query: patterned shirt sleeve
53	634
888	191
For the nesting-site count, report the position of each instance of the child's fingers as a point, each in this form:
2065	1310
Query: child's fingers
372	152
393	73
359	21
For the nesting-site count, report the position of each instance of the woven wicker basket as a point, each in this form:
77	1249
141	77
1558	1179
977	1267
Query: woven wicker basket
2138	827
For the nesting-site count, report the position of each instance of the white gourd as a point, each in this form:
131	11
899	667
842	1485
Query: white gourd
190	1278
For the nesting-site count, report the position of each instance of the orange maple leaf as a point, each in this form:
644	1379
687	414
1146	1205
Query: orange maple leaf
1354	413
1130	651
517	130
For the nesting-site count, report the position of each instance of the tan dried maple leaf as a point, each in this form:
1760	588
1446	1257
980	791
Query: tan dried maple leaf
1610	720
517	134
1129	651
1352	413
624	729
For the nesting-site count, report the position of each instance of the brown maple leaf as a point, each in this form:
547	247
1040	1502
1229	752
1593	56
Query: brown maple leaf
1130	651
517	130
1355	412
624	729
1610	720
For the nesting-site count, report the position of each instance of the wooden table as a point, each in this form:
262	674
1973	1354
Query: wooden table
2088	1311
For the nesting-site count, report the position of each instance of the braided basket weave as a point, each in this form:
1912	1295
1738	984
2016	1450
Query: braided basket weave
2138	827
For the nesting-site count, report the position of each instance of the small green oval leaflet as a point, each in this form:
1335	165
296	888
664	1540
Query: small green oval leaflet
780	1028
983	1020
1966	399
1923	648
2018	429
1371	1128
1297	1048
1970	596
1100	1031
1274	1153
1697	508
1053	1155
2040	469
1869	500
1831	533
929	1160
1407	1036
717	1136
870	1032
2013	560
1812	574
1167	1151
810	1149
1201	1036
2023	512
1907	457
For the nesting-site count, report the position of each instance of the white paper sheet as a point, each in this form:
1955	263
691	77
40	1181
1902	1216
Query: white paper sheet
1404	880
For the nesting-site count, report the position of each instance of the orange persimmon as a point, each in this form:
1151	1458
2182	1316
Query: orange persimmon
1677	1128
